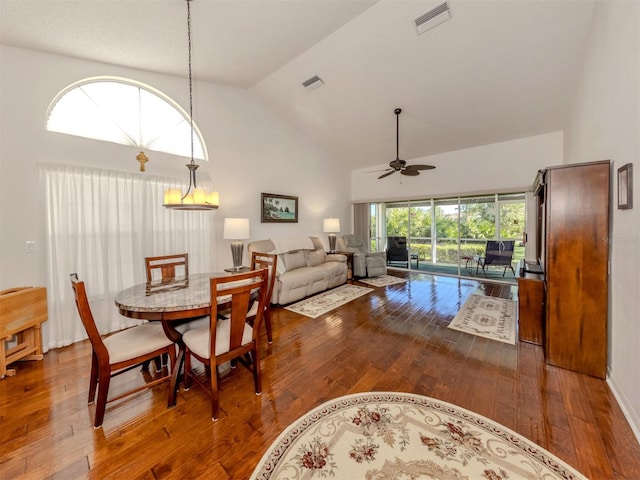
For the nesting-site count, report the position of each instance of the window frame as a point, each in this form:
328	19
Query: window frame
197	135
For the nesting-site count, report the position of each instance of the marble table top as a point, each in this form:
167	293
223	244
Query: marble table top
174	295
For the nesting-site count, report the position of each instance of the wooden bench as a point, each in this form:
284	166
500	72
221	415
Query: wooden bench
22	310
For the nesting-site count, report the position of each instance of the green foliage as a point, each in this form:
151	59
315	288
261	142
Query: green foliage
512	220
449	253
477	222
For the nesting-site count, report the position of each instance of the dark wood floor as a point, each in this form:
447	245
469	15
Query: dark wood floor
393	339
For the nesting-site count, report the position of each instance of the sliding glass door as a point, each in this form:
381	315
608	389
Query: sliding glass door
420	232
450	235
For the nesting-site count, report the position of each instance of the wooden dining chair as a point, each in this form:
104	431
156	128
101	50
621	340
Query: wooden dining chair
166	265
268	261
119	352
227	339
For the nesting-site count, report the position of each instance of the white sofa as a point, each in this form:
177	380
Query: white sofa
303	268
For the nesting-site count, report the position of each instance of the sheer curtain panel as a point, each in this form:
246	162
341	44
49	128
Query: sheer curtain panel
102	224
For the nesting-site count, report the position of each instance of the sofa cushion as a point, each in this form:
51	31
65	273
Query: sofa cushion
293	260
314	257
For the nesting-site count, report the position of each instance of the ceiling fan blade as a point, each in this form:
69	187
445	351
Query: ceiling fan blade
420	167
386	174
376	171
410	173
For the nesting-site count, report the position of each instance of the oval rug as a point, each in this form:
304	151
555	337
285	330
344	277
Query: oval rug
393	436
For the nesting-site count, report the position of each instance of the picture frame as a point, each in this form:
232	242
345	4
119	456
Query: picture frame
276	208
625	187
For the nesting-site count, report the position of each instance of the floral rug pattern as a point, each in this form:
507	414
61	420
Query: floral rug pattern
401	436
488	317
326	301
382	280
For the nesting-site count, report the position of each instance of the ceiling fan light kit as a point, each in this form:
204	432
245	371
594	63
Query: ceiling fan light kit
399	165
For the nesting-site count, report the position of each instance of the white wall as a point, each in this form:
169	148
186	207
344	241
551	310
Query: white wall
252	150
491	168
605	124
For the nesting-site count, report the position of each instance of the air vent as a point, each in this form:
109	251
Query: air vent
313	83
433	17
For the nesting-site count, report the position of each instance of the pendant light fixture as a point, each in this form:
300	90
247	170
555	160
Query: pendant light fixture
194	198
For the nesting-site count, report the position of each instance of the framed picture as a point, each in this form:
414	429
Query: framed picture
279	208
625	187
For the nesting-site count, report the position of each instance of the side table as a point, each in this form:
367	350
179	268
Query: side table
349	256
467	260
22	310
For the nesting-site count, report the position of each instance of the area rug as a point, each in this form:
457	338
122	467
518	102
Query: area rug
488	317
326	301
382	280
401	436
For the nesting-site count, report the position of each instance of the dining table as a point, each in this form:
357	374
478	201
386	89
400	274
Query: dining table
171	301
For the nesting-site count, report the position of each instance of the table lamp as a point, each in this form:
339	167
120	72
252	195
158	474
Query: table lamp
332	226
236	229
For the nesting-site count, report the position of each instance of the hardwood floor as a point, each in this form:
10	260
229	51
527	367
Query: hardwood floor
393	339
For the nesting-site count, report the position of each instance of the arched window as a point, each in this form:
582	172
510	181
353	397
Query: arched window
127	112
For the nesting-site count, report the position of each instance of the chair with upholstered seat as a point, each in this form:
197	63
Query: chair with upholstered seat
119	352
270	262
365	263
228	338
166	267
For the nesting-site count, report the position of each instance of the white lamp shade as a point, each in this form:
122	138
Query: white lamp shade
331	225
236	229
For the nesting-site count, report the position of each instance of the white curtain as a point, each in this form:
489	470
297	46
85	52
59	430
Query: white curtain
101	224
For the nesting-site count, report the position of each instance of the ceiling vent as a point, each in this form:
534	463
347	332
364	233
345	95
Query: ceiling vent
432	18
313	83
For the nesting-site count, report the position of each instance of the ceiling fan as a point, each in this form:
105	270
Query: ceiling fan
401	166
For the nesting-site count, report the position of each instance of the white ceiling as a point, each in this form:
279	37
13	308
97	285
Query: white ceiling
497	70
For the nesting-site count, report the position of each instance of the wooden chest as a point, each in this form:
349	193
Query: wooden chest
22	310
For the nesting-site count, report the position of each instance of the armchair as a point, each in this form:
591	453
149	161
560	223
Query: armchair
365	263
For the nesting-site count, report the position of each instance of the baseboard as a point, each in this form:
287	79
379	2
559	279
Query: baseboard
631	416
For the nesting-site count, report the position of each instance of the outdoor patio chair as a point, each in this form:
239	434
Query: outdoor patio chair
397	250
498	253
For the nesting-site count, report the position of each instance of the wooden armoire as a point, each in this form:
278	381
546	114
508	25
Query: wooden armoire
574	250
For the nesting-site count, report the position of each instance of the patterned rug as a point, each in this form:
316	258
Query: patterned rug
326	301
488	317
382	280
398	436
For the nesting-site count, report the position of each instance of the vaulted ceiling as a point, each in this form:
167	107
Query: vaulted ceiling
496	70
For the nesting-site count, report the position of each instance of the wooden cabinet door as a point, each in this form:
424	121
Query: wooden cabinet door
576	270
531	308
